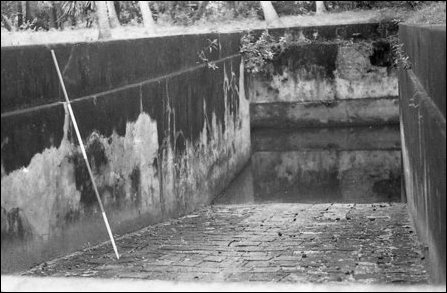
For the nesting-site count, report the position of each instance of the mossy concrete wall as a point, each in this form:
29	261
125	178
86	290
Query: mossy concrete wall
164	134
423	130
329	76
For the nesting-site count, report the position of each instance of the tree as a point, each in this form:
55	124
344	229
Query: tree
30	10
201	9
270	14
7	23
148	21
103	20
19	14
52	13
113	18
71	12
9	13
320	7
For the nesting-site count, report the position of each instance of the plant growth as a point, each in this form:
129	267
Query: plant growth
257	52
212	45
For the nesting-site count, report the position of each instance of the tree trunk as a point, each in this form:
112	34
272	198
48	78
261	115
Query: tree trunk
103	20
117	6
149	23
201	10
27	12
320	7
113	17
31	8
270	14
52	16
19	14
57	13
7	23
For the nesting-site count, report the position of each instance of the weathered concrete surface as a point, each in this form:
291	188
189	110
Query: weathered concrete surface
317	72
339	138
322	175
423	130
320	165
350	165
425	45
360	112
359	31
286	243
160	145
327	74
90	68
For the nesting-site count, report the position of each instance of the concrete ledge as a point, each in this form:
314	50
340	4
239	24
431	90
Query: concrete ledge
339	138
371	30
356	112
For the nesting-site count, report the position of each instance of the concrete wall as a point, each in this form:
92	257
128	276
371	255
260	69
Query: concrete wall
355	165
423	131
331	75
164	134
321	165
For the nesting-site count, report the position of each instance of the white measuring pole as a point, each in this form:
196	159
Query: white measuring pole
73	119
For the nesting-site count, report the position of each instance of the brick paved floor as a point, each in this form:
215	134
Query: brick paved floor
318	243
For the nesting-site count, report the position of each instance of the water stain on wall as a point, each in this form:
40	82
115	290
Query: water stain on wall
135	174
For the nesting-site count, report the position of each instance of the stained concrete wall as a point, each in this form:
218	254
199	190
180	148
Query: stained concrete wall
351	165
423	131
320	165
164	134
330	76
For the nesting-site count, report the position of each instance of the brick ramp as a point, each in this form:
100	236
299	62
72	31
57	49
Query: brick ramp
304	243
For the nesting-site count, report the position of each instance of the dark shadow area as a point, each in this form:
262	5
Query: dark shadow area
320	165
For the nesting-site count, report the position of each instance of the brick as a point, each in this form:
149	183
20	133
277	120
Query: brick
213	259
243	244
257	253
256	263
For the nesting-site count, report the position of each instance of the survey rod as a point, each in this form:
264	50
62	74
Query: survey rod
84	154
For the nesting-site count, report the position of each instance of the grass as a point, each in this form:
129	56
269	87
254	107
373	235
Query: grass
433	13
132	31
